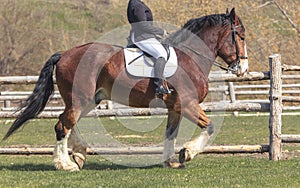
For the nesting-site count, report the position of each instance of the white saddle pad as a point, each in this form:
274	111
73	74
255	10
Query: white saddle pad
139	65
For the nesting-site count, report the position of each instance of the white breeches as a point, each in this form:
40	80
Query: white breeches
152	47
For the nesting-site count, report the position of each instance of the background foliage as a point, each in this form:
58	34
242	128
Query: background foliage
32	30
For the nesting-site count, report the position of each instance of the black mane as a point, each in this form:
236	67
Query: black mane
194	26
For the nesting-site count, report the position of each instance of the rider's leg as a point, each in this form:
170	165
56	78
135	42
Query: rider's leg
159	67
153	47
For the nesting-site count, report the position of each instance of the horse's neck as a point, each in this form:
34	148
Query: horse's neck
199	52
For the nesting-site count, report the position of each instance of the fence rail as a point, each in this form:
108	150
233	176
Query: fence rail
214	77
246	107
235	93
48	150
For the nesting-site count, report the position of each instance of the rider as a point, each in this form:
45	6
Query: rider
143	34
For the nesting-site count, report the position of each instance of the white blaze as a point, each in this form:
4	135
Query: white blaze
244	62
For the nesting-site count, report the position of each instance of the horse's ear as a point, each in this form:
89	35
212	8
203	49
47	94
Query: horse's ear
232	15
227	12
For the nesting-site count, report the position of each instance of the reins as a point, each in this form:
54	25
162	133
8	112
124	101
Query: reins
215	63
118	46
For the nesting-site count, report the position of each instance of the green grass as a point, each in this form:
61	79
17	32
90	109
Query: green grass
247	170
36	132
204	171
234	130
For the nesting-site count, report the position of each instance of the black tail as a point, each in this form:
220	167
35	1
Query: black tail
37	101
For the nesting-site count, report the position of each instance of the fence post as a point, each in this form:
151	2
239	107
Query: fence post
232	96
275	107
7	104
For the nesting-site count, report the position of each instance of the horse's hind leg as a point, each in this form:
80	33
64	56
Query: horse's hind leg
196	146
78	147
169	160
61	158
76	142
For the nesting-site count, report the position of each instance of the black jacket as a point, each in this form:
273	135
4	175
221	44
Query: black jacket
141	19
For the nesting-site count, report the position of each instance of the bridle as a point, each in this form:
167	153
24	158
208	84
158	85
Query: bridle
235	64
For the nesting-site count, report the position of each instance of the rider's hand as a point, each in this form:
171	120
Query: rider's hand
165	33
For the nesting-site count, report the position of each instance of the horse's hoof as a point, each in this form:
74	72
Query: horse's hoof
173	164
185	155
72	167
79	159
66	166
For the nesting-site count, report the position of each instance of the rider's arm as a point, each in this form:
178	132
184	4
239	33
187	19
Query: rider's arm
146	25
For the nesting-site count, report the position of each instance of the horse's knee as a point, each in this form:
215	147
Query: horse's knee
195	114
203	119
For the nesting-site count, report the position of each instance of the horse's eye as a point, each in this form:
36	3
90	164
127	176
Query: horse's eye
242	36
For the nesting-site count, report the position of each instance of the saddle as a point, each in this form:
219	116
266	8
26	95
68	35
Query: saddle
141	64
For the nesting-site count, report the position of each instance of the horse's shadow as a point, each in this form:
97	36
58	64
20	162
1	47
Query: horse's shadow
27	167
99	166
88	166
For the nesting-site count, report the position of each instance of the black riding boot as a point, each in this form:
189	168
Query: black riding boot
159	67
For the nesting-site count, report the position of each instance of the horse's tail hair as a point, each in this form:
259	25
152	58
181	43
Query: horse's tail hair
37	101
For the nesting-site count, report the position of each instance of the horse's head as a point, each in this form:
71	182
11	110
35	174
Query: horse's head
232	46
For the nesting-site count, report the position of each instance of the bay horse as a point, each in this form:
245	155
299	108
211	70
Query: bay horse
90	73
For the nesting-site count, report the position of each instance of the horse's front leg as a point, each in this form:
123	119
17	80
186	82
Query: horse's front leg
169	156
194	113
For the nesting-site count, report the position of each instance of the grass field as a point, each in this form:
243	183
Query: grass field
204	171
240	170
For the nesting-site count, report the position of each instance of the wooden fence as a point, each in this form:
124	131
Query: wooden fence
276	107
272	101
10	100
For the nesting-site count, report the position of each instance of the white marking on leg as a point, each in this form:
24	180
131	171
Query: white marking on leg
197	145
61	157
